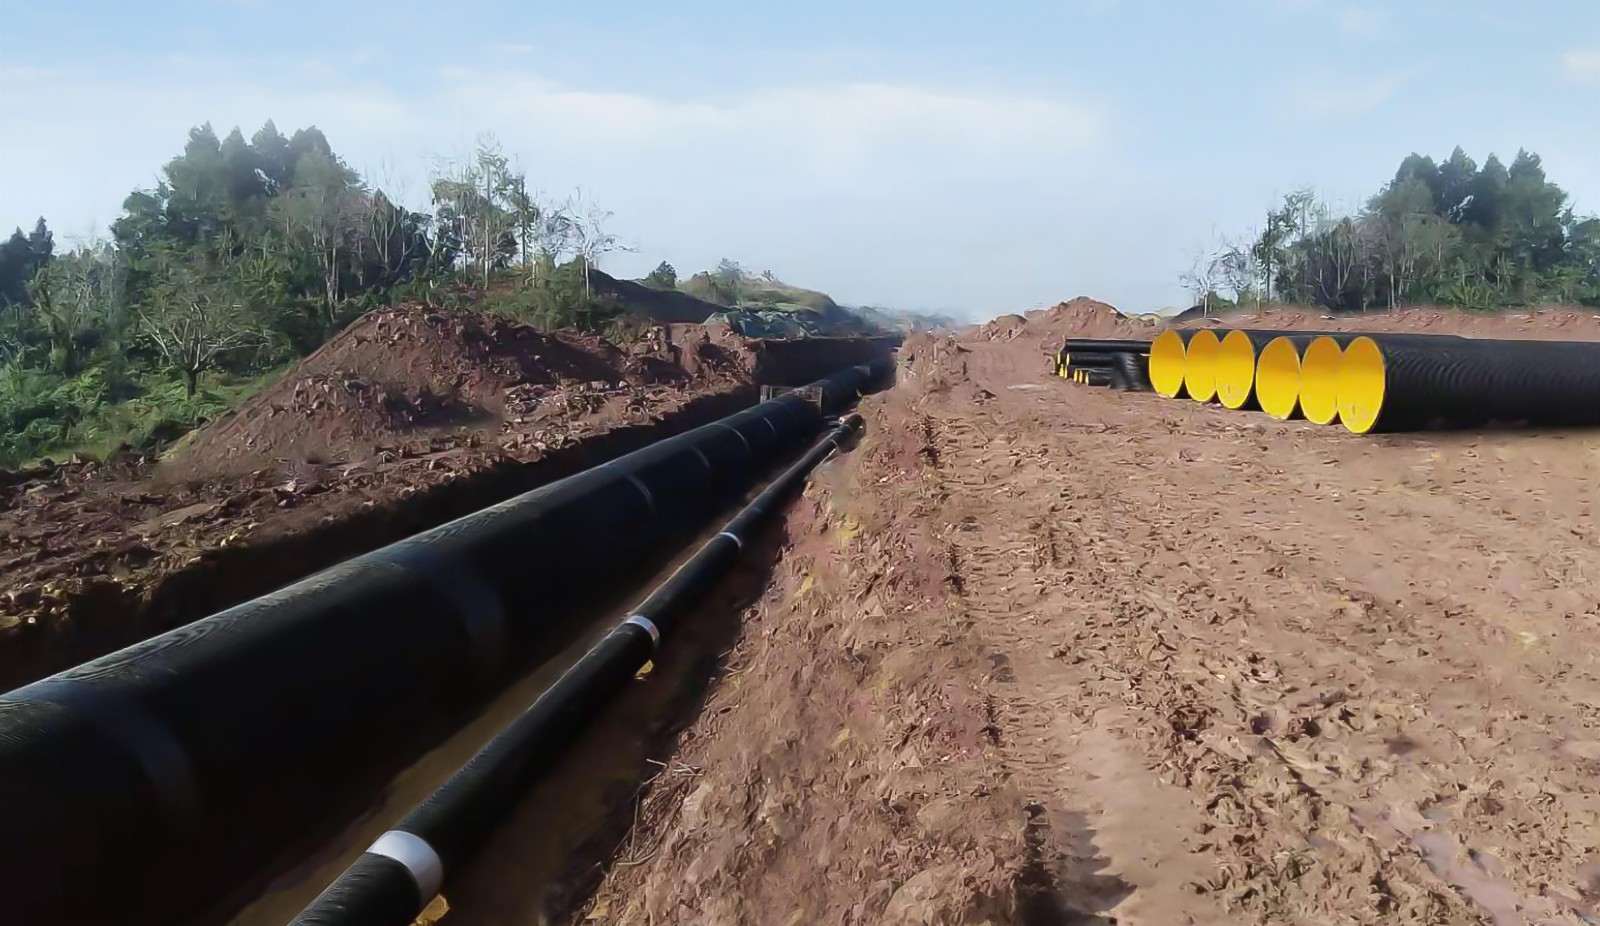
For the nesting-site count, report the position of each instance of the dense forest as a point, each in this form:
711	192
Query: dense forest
1450	233
247	255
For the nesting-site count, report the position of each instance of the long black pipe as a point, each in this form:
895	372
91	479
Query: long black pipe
1408	385
144	786
405	868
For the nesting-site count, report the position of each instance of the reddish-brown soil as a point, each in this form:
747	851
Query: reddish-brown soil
400	371
408	418
1039	653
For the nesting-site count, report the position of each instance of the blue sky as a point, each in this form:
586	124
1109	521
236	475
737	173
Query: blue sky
979	158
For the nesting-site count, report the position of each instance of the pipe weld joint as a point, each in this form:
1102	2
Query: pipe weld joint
648	626
417	856
735	538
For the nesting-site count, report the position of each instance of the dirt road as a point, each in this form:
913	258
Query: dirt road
1044	654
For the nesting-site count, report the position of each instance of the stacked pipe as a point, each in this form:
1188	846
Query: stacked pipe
1382	382
147	785
1115	362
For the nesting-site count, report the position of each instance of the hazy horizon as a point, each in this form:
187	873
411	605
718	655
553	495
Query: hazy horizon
912	156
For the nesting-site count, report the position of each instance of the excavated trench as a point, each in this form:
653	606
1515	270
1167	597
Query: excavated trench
551	850
324	841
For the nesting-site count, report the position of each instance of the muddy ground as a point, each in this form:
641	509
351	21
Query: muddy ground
1037	653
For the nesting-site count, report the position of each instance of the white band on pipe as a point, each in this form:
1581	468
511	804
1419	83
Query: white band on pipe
644	623
419	858
649	499
735	538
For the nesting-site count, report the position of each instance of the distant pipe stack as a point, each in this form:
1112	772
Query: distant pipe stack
1115	362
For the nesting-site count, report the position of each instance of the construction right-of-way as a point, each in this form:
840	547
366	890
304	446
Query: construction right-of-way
1039	653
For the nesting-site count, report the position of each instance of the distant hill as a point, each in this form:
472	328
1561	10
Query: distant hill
907	322
758	306
662	305
755	292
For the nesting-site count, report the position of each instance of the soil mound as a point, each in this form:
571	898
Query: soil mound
396	372
1003	328
1082	317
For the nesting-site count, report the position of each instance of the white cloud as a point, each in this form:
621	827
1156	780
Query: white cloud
1347	96
860	186
1582	64
1363	23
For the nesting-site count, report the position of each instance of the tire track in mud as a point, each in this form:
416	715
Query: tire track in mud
1321	867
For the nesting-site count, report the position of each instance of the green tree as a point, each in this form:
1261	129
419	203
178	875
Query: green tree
318	216
1456	176
728	282
21	256
196	317
77	304
476	206
663	277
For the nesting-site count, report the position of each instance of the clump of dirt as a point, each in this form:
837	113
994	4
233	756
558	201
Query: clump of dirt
1083	317
1004	328
322	416
1044	329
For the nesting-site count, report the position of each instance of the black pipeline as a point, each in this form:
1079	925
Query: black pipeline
148	785
407	866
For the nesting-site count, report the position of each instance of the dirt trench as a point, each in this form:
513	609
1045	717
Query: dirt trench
1044	654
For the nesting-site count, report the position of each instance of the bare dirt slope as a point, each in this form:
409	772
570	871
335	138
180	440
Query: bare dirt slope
1045	654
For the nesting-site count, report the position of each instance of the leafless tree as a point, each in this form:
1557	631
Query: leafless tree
193	319
589	238
1200	279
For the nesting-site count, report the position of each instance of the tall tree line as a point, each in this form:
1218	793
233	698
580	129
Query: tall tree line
248	253
1450	233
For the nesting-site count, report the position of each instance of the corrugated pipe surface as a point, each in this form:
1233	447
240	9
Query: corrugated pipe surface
147	785
1393	384
1107	346
408	865
1133	371
1293	379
